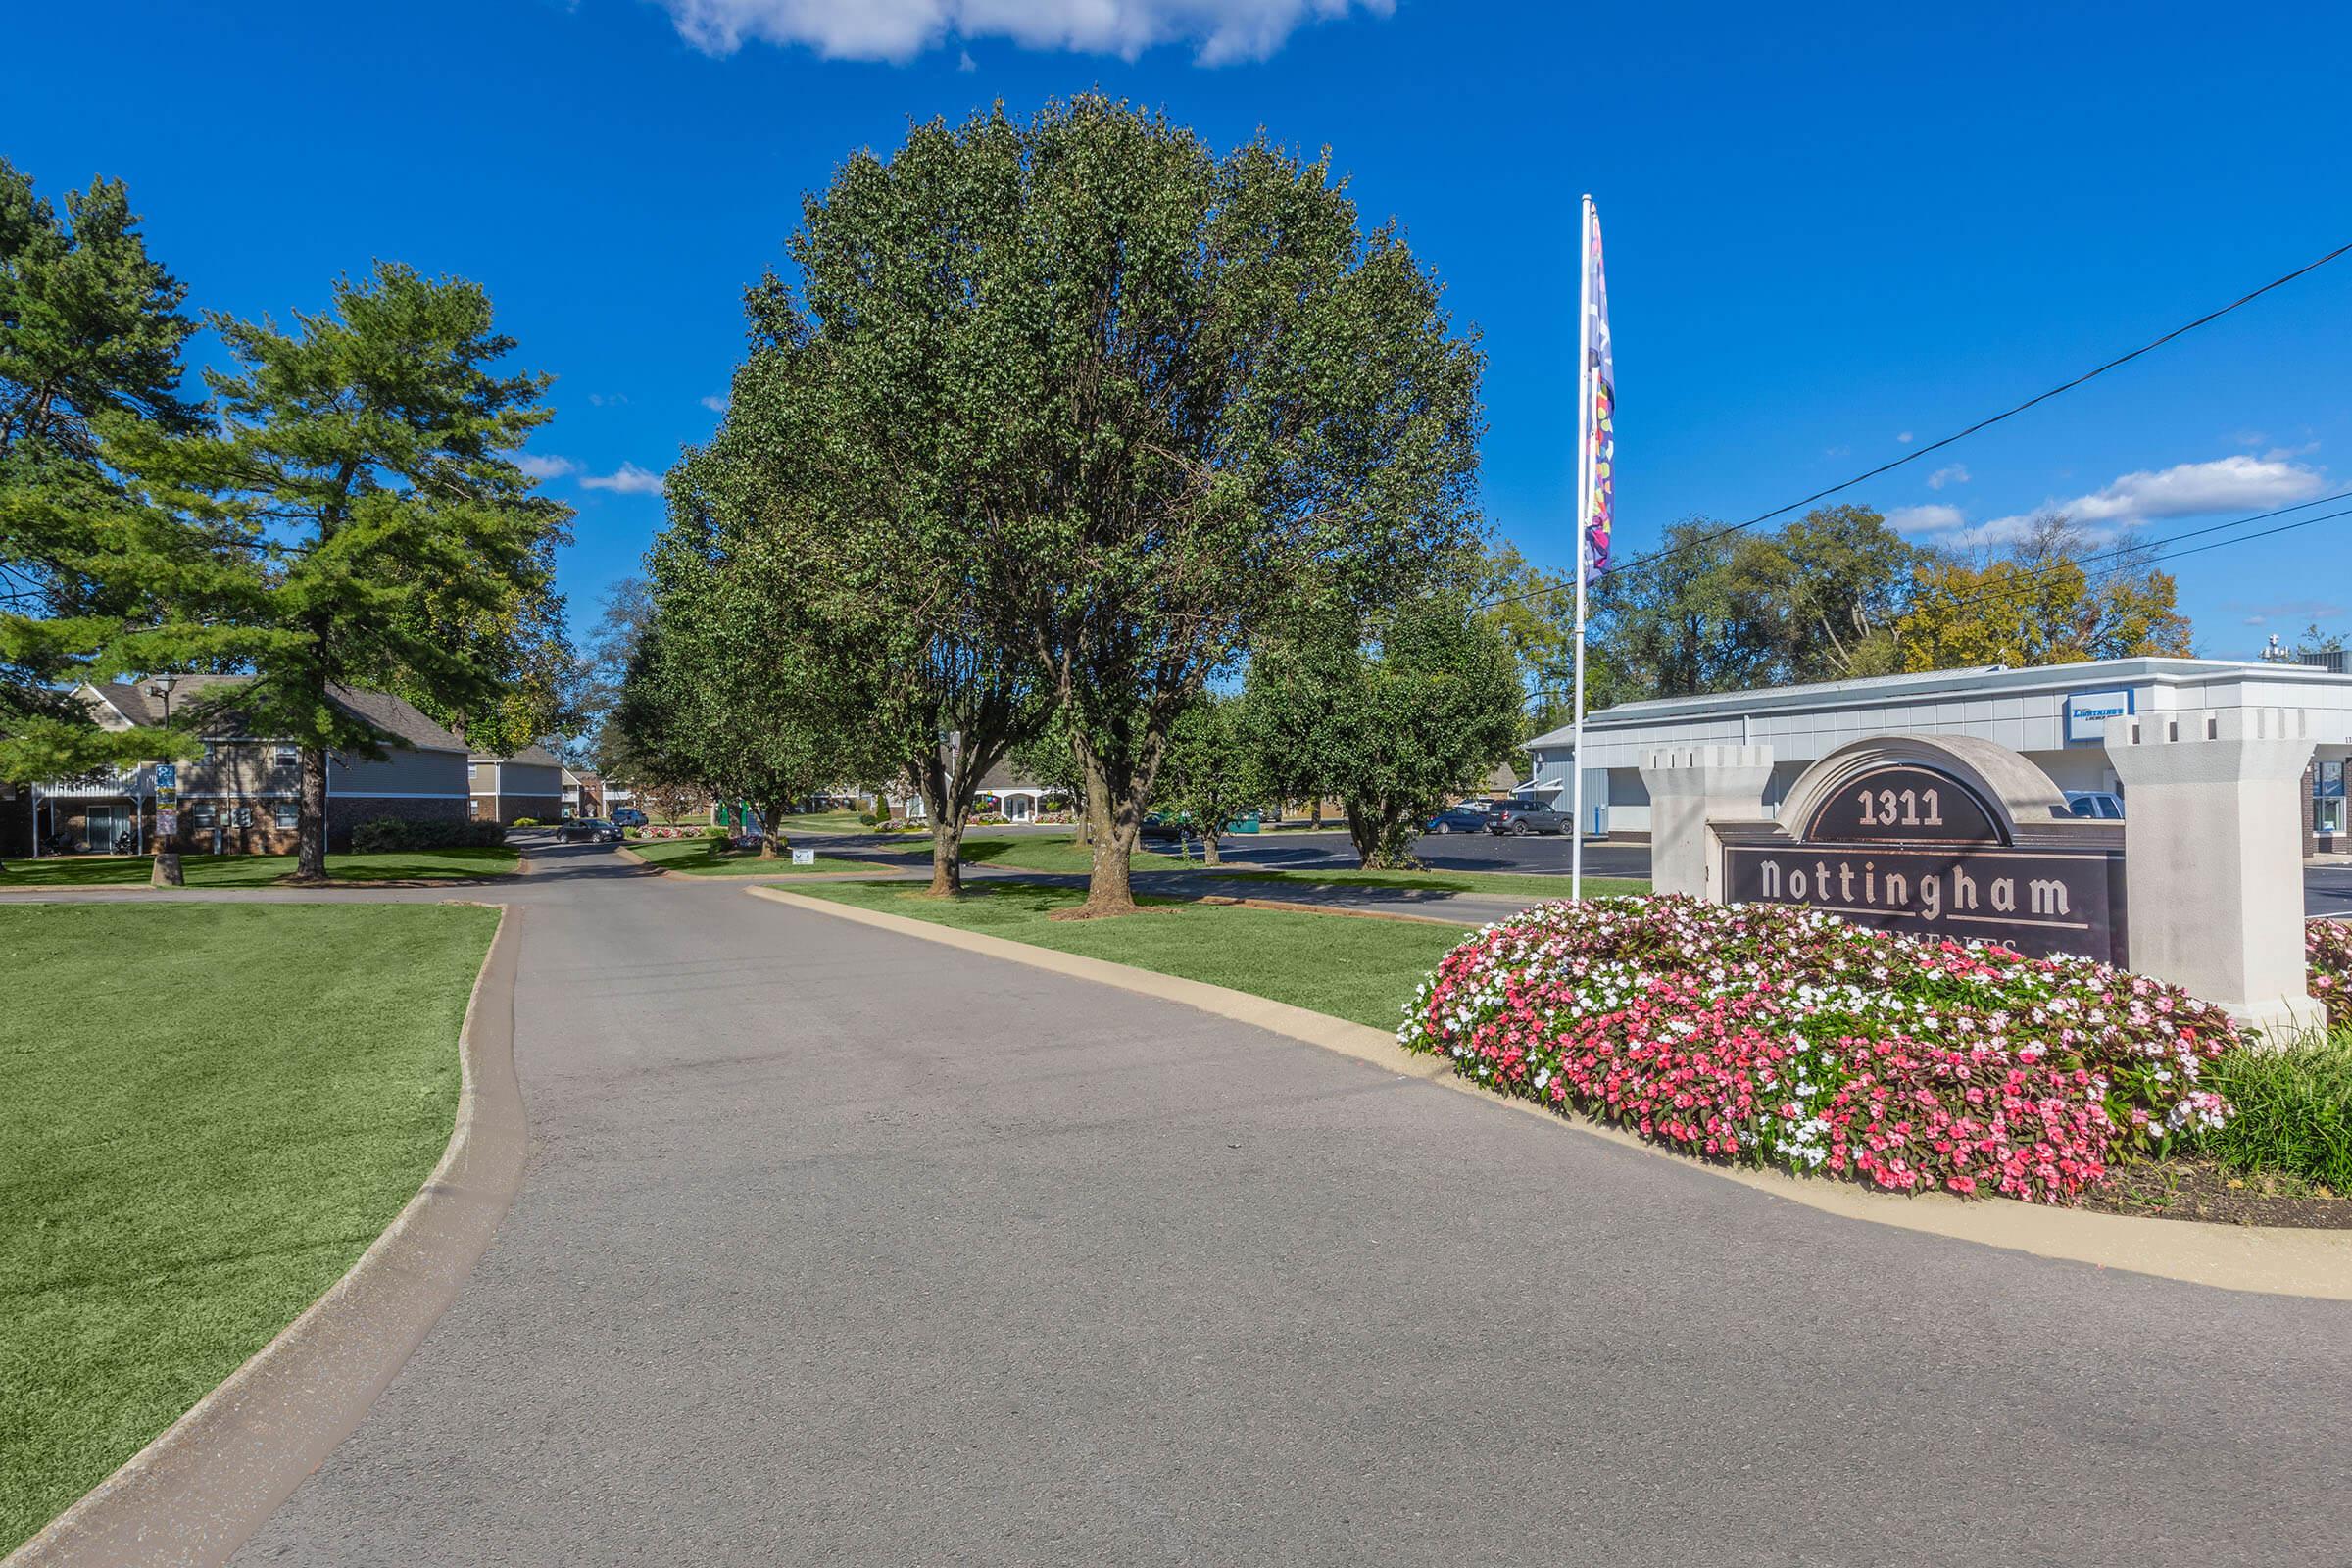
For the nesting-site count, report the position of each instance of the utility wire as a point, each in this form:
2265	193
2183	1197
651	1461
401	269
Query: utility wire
1958	435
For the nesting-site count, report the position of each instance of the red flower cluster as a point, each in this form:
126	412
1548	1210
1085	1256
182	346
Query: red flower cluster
1775	1034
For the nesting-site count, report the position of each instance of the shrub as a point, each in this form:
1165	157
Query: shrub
2328	946
715	832
393	835
2291	1110
1773	1035
525	821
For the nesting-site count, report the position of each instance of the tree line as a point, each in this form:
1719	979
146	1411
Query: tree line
339	507
1073	435
1832	595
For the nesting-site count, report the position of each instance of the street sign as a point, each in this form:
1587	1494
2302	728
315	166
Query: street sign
804	856
167	775
167	824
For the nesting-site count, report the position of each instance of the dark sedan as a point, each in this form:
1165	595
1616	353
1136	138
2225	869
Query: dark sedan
1456	819
588	829
1518	817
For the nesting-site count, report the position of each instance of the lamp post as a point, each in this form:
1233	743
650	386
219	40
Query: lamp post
167	872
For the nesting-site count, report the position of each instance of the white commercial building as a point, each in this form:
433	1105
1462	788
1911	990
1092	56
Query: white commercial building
2056	715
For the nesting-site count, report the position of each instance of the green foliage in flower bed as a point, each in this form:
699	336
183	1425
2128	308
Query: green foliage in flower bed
2291	1110
1772	1035
394	835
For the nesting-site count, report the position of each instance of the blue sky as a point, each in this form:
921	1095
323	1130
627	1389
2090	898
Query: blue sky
1829	228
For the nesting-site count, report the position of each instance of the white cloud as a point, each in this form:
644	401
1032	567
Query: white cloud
545	465
965	61
629	480
1222	31
716	404
2238	483
1904	437
1957	473
1933	518
608	399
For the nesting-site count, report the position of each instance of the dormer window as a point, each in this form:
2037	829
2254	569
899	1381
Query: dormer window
287	756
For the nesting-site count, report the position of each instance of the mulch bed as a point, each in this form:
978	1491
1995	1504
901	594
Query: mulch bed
2200	1190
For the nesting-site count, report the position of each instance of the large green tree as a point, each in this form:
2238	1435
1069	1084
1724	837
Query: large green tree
362	478
852	482
91	332
1157	400
1211	773
1395	718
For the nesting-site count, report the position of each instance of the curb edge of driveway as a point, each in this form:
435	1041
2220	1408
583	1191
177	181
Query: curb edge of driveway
2269	1261
202	1489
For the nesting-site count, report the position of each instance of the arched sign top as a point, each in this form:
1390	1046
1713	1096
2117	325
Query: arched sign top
2006	788
1902	802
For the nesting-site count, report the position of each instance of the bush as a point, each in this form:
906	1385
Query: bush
2291	1110
2328	946
1773	1035
715	832
393	835
525	821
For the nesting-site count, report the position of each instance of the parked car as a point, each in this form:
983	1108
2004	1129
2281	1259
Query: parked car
1160	828
1514	818
1464	819
589	830
2099	804
629	816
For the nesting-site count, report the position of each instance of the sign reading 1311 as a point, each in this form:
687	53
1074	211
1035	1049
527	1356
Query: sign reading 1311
1910	848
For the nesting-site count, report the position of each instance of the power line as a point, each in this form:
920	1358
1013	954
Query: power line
1958	435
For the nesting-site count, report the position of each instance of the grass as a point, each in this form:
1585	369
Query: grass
713	857
258	870
2294	1111
1362	970
823	822
211	1111
1055	851
1509	883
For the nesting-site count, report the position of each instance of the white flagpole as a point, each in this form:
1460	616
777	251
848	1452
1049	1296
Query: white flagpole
1584	507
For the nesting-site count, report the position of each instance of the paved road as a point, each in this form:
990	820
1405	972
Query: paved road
837	1246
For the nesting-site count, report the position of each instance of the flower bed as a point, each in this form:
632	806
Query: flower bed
2327	946
1767	1034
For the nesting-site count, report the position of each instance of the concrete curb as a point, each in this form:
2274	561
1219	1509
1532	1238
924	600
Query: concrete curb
2269	1261
200	1491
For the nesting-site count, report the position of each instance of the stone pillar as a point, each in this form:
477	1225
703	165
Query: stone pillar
2213	863
1690	786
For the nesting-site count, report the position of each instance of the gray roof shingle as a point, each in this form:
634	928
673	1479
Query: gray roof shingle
395	717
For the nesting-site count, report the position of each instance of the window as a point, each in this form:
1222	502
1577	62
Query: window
2328	797
286	756
207	813
241	816
285	813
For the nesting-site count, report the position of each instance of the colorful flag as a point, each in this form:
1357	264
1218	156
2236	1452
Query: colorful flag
1601	362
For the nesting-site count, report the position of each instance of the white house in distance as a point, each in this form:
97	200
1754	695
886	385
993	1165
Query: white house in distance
2056	715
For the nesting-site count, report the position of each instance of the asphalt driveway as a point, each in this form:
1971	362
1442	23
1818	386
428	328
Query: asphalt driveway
839	1246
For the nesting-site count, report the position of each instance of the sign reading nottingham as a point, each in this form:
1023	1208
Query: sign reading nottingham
1933	836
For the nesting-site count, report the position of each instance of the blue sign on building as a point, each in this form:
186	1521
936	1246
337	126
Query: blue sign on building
2087	713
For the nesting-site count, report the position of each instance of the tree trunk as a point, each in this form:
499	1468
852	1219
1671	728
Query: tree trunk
309	854
946	858
769	811
1111	825
1210	855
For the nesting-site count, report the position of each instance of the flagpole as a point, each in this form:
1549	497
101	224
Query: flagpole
1584	505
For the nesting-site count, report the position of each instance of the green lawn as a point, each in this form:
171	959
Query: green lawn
1053	852
711	858
1517	884
210	1111
1364	970
258	871
821	822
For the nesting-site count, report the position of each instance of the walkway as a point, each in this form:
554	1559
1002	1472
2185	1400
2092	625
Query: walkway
844	1248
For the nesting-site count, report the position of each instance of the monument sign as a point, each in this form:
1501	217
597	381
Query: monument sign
1920	835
